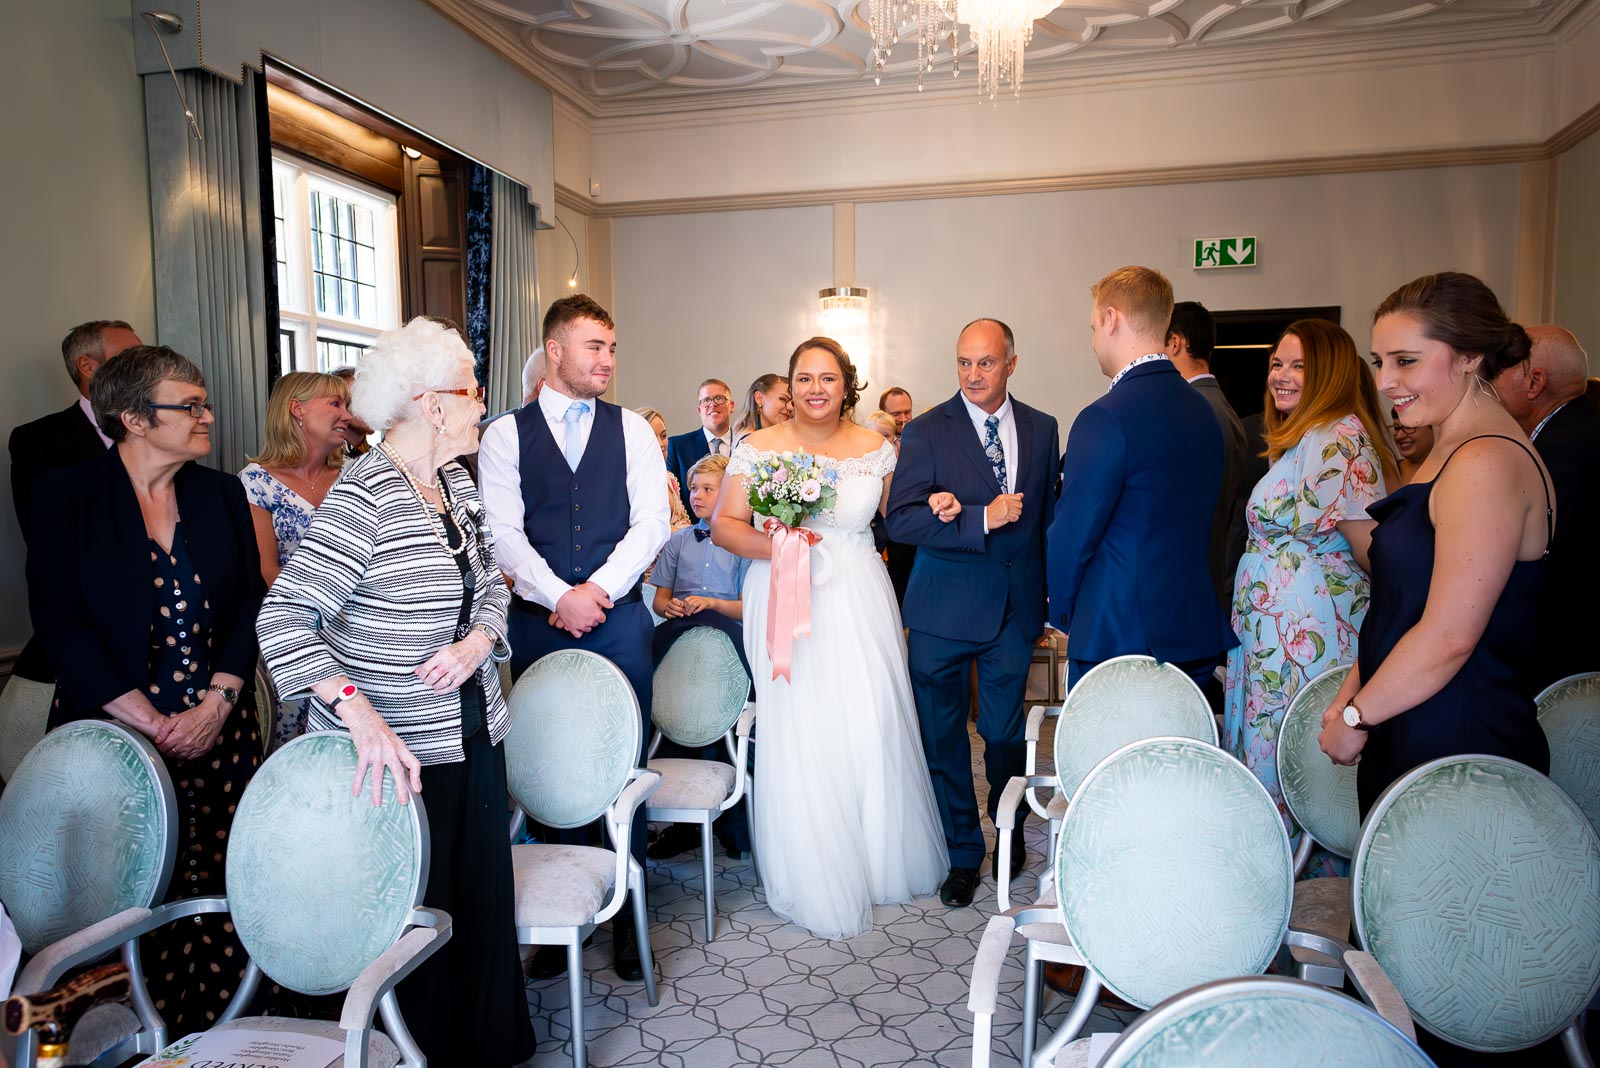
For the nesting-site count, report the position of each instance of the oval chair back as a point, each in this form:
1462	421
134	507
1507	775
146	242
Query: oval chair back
700	688
24	717
574	738
1320	795
1263	1020
1476	886
1124	700
1173	869
88	828
321	882
1569	712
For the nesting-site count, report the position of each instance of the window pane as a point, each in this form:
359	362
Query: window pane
364	220
366	265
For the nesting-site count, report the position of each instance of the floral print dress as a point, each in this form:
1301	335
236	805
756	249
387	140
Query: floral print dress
291	518
1299	595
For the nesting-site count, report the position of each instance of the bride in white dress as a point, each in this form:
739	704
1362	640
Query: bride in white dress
844	810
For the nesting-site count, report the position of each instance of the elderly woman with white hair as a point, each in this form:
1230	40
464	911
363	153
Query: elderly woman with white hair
391	616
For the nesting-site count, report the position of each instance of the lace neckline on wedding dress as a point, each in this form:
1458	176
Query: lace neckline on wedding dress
877	463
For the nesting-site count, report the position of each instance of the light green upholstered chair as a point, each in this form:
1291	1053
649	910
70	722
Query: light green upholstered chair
1262	1020
1122	700
24	715
1476	883
88	838
1569	712
1173	868
700	697
324	889
571	759
1321	798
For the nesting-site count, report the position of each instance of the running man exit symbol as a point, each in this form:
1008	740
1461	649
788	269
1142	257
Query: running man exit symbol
1224	252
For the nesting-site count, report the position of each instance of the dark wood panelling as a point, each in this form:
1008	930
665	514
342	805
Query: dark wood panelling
433	213
305	129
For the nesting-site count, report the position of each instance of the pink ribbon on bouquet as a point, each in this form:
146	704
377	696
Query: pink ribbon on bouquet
788	592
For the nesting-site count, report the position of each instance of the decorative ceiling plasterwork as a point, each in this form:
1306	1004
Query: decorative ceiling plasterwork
718	51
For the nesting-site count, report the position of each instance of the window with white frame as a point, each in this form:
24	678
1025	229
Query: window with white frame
338	265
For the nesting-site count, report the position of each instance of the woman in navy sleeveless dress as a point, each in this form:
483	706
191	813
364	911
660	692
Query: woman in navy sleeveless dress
1457	555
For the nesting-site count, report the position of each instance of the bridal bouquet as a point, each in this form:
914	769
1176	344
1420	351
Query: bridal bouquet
790	486
786	488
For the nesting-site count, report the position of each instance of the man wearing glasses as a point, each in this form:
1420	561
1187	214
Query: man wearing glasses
714	438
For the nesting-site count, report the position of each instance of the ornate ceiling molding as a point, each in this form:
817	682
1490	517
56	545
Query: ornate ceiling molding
640	57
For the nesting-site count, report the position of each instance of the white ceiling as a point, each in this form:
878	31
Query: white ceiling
719	51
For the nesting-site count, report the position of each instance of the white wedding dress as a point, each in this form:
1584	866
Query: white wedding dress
844	810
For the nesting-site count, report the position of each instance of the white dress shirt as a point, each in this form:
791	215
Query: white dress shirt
726	439
88	413
500	480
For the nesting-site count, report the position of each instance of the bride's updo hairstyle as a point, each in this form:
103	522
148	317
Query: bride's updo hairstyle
852	385
1462	312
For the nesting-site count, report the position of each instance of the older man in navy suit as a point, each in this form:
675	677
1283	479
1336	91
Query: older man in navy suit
1140	481
972	491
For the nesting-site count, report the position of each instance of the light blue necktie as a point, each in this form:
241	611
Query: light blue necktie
573	447
992	449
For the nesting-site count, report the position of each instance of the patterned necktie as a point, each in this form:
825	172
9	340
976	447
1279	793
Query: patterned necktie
573	446
992	449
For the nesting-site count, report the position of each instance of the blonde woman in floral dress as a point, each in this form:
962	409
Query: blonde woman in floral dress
1301	589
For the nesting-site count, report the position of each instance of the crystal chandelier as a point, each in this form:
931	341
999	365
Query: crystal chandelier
1001	30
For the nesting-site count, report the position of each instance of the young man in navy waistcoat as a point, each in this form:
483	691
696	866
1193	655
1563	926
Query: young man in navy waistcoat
575	489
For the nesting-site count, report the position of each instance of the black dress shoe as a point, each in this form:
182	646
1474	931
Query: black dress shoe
733	851
625	945
958	887
547	962
677	838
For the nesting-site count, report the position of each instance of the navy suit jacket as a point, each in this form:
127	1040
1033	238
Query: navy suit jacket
683	452
90	586
963	580
1569	444
1128	548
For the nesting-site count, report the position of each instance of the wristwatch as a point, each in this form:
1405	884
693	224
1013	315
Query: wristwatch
1352	718
346	692
229	694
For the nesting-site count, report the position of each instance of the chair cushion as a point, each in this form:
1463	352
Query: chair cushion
1321	906
1057	805
691	784
381	1052
561	885
1074	1054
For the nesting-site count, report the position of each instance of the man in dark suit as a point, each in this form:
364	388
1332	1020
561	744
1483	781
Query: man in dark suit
1191	336
63	439
1141	476
1546	396
972	491
900	556
714	438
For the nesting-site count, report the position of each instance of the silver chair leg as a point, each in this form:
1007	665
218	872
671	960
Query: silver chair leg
575	986
641	926
1072	1026
1577	1050
710	876
1031	969
394	1025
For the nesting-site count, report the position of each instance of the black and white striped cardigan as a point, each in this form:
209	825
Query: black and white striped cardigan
372	594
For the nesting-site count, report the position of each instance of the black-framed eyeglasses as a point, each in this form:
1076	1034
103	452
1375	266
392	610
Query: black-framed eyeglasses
195	410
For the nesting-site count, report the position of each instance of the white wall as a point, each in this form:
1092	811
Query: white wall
726	295
1577	277
76	215
730	294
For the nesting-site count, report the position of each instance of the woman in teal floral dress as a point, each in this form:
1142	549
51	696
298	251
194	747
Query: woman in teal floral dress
1301	591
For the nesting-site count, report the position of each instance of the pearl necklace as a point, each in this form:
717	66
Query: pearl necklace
429	510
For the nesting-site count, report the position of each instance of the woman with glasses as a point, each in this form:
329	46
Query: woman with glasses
391	616
143	582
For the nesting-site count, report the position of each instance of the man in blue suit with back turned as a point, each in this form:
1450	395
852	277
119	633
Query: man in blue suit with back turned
1140	480
972	491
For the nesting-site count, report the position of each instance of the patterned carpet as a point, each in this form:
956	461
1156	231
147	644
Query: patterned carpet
768	993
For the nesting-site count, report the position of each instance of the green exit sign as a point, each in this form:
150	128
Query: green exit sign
1224	252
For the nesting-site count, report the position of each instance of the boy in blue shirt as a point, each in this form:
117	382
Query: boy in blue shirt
698	584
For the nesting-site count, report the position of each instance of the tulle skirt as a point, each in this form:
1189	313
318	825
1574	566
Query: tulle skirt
844	813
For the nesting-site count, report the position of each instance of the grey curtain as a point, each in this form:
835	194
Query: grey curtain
514	293
210	285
